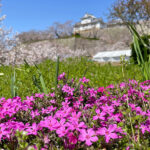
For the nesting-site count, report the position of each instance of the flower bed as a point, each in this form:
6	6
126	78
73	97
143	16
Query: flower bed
77	116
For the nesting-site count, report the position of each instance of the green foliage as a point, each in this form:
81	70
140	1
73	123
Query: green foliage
28	79
57	72
142	59
143	49
77	35
22	137
13	85
37	81
43	86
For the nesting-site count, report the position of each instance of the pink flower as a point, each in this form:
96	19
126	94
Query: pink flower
115	117
108	109
53	101
39	95
101	89
61	76
84	80
48	110
111	86
52	94
72	138
34	113
100	115
92	92
65	104
128	148
108	133
74	125
75	116
80	99
62	131
46	139
144	128
88	136
50	123
67	89
3	132
33	129
122	85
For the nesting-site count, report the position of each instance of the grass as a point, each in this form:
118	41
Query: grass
26	77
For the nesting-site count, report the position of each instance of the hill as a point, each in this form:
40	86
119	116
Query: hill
86	45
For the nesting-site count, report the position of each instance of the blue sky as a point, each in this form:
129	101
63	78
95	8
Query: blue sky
25	15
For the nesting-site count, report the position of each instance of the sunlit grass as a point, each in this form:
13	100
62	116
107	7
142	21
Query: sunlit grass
99	75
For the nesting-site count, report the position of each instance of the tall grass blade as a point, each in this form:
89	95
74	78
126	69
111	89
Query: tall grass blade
13	87
36	83
44	89
43	86
133	31
26	63
137	50
57	72
142	60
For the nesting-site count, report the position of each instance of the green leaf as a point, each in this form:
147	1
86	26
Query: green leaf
43	84
57	72
13	87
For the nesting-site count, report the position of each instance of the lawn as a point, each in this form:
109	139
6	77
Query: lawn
26	77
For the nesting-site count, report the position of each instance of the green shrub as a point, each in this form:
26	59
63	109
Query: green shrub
146	39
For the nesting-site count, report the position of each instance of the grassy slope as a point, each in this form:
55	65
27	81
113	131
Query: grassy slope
99	75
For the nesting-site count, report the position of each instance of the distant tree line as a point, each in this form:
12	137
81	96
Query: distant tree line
57	30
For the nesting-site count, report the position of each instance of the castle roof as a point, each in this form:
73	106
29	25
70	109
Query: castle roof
87	16
94	21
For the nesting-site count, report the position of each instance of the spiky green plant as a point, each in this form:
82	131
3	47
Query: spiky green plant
43	86
141	59
37	81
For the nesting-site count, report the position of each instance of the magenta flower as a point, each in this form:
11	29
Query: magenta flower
77	104
34	113
61	76
3	132
92	92
74	125
139	111
80	99
122	85
100	115
84	80
88	136
144	128
33	129
48	110
101	89
111	86
116	117
39	95
67	89
72	138
50	123
62	131
108	133
65	104
30	98
75	116
52	95
46	139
